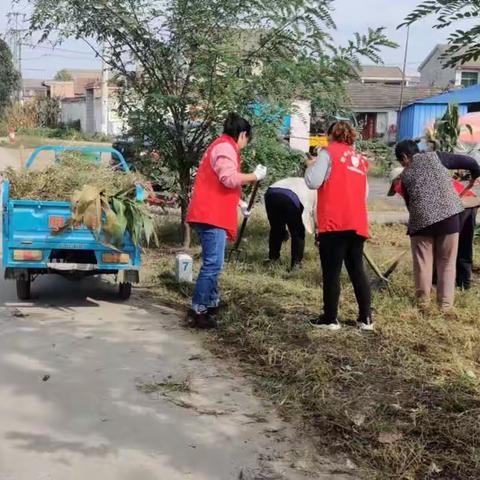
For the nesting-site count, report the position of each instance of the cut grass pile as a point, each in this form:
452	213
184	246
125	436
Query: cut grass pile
60	180
403	403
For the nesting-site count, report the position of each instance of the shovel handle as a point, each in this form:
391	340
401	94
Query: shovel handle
251	202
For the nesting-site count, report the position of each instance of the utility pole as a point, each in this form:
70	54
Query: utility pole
15	34
402	88
405	58
105	92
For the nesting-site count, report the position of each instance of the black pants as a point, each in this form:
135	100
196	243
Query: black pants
337	248
283	213
465	248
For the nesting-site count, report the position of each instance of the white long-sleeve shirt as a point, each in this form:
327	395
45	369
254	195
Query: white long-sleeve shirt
307	197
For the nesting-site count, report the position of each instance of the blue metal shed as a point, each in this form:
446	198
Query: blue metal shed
416	117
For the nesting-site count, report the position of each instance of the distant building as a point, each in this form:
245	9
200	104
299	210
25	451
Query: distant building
380	74
81	78
60	89
419	114
33	88
434	74
376	106
86	110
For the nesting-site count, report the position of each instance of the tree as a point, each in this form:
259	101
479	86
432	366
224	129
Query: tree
9	77
464	44
186	63
63	76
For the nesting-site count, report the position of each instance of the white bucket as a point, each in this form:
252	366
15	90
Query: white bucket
184	268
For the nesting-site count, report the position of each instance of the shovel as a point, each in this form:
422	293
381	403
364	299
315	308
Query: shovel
382	281
236	251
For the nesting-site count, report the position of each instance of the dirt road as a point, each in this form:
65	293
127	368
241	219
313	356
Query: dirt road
92	388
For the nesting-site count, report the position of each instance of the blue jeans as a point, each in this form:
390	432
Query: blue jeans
213	241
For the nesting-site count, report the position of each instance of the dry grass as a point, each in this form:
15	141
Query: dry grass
403	403
60	180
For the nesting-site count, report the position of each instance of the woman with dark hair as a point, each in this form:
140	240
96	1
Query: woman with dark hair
213	211
340	176
435	217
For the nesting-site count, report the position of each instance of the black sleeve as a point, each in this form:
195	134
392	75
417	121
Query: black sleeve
453	161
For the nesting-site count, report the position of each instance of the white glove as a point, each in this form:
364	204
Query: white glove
260	172
244	209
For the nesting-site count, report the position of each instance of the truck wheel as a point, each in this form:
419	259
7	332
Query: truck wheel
23	288
124	290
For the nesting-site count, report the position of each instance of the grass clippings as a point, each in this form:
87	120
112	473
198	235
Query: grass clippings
402	403
167	386
60	180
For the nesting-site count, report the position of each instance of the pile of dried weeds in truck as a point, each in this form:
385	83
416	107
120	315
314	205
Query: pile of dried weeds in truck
71	173
402	403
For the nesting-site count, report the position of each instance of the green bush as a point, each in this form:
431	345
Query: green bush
63	133
380	155
270	150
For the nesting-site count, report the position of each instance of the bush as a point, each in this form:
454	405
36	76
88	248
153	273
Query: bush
63	133
269	149
19	116
381	156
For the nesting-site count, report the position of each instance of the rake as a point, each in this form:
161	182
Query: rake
382	281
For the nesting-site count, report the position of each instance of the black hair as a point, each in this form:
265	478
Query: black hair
234	125
406	147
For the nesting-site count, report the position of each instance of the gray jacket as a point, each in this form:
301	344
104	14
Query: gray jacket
432	197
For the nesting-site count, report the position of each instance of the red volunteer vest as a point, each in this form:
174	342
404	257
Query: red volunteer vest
212	203
342	202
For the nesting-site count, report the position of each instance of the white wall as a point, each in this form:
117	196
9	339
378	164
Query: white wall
94	115
74	111
300	125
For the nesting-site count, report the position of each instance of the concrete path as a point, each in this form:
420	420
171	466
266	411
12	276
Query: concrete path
95	389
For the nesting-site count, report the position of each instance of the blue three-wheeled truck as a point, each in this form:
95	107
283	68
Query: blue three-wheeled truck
30	249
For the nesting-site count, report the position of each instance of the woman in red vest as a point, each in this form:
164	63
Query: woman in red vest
340	176
213	212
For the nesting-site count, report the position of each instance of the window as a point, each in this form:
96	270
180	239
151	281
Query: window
469	79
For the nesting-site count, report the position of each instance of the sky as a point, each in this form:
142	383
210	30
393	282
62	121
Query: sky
350	16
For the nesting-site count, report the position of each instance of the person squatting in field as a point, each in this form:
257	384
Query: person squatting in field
291	205
436	217
339	176
213	212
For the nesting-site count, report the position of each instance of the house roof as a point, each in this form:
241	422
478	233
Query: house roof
384	97
380	72
83	73
442	49
33	83
461	96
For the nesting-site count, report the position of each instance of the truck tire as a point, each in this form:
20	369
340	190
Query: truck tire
124	290
23	288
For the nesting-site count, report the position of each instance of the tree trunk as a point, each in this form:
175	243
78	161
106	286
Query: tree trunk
185	188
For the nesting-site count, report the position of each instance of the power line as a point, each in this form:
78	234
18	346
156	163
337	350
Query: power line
53	49
15	34
52	55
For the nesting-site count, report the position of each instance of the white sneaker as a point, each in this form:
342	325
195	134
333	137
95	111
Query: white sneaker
366	326
323	325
